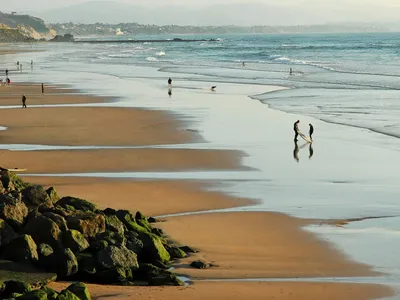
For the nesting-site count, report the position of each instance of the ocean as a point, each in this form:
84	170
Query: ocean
347	85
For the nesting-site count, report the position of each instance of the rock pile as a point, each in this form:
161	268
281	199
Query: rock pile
74	239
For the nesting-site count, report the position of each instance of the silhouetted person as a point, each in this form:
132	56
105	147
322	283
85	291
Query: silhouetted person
213	88
31	64
311	150
169	81
18	65
23	101
291	71
170	93
6	72
296	152
243	64
296	130
8	81
311	131
42	89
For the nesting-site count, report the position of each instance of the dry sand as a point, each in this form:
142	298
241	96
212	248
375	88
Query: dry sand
257	245
90	126
242	291
152	197
120	160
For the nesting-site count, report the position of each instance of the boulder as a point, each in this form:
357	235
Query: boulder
67	295
58	219
13	211
52	194
78	204
114	275
88	223
114	224
114	256
98	245
157	231
129	221
87	263
80	290
152	220
199	264
21	248
51	294
142	221
153	248
65	263
43	230
74	240
36	195
34	295
45	250
109	211
188	249
156	276
112	238
15	286
135	245
175	252
166	279
7	233
11	182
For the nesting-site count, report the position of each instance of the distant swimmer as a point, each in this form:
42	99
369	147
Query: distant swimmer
296	130
311	131
169	81
291	71
213	88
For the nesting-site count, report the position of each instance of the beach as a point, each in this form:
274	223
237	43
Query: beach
241	244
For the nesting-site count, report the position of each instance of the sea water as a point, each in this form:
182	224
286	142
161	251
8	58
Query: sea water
345	84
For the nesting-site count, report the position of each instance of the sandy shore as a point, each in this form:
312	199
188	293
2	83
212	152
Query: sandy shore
242	291
152	197
243	245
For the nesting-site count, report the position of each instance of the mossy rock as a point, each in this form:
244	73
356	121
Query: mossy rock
43	230
166	279
78	204
114	224
98	245
74	240
129	221
175	252
142	221
15	286
51	294
113	256
45	250
12	182
58	219
80	290
88	223
112	238
13	210
36	195
34	295
7	233
154	248
65	263
67	295
21	248
113	275
52	194
86	263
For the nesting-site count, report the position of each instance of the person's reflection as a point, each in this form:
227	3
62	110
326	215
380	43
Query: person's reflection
296	152
170	93
311	150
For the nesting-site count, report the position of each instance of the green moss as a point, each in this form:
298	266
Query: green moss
34	295
80	290
51	294
67	295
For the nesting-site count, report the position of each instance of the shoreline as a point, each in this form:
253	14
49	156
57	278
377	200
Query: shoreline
136	204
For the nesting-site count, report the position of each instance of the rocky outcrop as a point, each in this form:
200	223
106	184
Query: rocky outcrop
72	238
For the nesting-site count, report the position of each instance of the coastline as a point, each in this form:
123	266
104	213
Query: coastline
42	138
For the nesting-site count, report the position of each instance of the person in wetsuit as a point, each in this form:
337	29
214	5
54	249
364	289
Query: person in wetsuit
296	130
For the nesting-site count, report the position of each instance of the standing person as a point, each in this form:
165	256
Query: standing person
31	64
42	89
18	65
243	64
291	71
6	72
23	101
311	131
8	81
169	81
296	130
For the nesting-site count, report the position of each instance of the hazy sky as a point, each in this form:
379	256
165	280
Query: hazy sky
41	5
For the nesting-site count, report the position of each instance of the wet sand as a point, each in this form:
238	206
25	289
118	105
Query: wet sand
243	245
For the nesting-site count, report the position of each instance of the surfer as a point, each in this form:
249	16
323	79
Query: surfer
296	130
23	101
169	81
311	131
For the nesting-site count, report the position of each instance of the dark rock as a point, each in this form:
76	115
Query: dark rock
87	263
58	219
129	221
15	286
135	245
114	224
109	211
34	295
166	279
175	252
74	240
112	238
67	295
7	233
11	182
51	294
142	221
52	194
152	220
154	249
43	230
78	204
13	211
63	38
198	264
114	256
22	248
80	290
156	276
98	245
157	231
36	195
160	265
65	263
114	275
188	249
89	224
45	250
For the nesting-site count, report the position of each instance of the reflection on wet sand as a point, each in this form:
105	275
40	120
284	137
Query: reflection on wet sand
297	150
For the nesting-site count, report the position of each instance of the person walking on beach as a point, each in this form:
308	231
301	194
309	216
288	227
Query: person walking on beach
169	81
6	72
42	89
291	71
311	131
296	130
23	101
